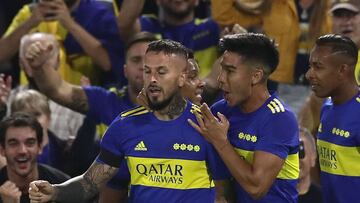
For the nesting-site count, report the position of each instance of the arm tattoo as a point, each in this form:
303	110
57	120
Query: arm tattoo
78	100
82	188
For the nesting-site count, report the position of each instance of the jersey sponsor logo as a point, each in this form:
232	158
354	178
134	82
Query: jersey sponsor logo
186	147
338	159
340	132
247	137
140	146
169	173
201	35
276	106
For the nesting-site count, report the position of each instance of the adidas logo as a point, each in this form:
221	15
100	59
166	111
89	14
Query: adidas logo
140	146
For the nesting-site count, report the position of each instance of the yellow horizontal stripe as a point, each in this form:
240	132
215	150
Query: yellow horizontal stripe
169	173
290	169
339	160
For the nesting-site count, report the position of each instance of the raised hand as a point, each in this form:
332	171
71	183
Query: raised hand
41	191
212	128
10	193
58	11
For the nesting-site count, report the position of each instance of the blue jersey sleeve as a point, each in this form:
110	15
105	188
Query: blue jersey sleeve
217	167
280	135
110	146
149	24
104	105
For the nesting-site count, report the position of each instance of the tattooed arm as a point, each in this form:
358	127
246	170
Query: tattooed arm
78	189
41	62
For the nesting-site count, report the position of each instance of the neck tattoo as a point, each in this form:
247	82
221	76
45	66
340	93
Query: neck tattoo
175	108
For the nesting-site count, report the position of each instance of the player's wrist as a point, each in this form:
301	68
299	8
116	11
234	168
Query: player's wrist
220	146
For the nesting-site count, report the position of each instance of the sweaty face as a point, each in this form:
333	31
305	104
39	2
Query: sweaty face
194	86
179	8
133	69
234	79
163	76
347	23
322	73
21	150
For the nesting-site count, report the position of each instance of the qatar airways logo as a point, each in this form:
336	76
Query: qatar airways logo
161	173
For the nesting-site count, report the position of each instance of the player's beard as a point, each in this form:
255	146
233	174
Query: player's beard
157	106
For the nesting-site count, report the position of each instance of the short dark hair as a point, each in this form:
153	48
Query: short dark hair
341	44
140	37
168	47
20	119
253	47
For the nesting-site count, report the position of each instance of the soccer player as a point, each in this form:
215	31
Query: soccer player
253	131
331	75
162	151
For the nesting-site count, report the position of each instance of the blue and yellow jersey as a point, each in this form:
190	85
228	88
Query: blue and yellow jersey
73	60
339	151
273	129
168	161
200	35
106	105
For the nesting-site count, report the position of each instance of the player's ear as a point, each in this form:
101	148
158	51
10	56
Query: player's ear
182	78
257	76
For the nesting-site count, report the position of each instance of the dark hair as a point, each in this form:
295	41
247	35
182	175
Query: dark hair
168	47
190	53
20	119
255	48
140	37
341	44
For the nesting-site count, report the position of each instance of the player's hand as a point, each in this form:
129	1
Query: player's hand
10	193
41	191
142	100
212	128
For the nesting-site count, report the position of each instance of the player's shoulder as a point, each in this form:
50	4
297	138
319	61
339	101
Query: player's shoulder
134	112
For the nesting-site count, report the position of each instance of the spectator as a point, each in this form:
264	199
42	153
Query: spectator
65	123
20	142
176	22
83	43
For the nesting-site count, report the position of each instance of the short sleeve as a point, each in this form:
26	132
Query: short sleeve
279	135
110	150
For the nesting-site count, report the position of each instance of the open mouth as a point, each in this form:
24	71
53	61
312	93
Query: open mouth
22	162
